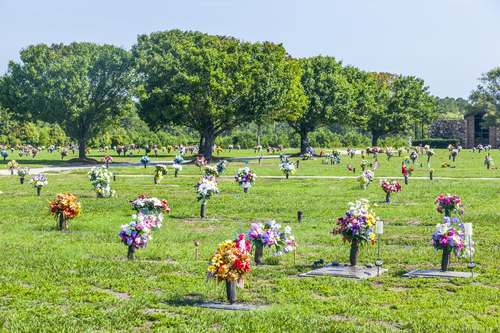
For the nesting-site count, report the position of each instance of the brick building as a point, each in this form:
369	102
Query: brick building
468	130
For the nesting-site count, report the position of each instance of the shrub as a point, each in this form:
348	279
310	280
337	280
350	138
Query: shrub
436	143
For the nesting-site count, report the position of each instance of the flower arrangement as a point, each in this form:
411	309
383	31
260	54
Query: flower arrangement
287	167
413	156
145	160
230	147
430	153
218	149
368	150
221	166
107	159
310	150
239	147
405	171
357	226
206	187
169	149
391	186
451	238
449	147
454	152
101	181
5	154
21	154
63	152
177	167
431	170
161	170
230	262
449	204
445	165
149	206
211	171
200	162
488	160
13	165
363	164
245	177
307	156
39	181
23	171
178	159
65	206
269	235
480	147
365	178
389	152
459	148
136	234
375	151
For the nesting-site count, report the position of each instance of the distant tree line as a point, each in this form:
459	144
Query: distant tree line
190	87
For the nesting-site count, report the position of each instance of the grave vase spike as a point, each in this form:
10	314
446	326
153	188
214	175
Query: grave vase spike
445	260
231	291
353	257
176	173
62	222
131	252
258	254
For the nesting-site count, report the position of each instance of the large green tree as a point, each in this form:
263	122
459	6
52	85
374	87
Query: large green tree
401	101
213	84
486	98
84	87
336	94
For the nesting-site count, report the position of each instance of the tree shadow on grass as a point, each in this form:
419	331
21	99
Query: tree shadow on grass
185	300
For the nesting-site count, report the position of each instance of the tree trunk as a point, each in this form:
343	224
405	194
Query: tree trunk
304	144
81	148
258	135
375	140
206	143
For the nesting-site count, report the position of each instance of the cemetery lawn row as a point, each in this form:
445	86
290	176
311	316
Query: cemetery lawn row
80	280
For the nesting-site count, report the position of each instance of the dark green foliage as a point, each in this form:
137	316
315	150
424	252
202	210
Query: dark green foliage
82	86
436	143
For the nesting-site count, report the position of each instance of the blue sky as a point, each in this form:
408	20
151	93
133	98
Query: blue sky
448	43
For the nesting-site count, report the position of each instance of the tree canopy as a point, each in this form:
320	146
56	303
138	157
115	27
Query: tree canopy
336	94
401	101
486	98
214	83
84	87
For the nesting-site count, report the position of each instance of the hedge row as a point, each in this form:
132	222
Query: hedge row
436	143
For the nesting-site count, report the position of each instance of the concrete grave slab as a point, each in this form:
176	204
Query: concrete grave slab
356	272
438	274
231	307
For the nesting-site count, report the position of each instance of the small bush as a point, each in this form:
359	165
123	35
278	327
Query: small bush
437	143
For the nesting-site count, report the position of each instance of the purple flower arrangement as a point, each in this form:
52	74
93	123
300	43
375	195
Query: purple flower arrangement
452	238
269	234
449	203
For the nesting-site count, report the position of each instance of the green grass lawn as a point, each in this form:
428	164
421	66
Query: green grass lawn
80	281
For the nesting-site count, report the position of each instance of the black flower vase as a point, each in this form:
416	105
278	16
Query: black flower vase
231	291
203	211
131	252
62	223
431	175
353	257
258	254
388	197
22	181
445	260
38	190
245	190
